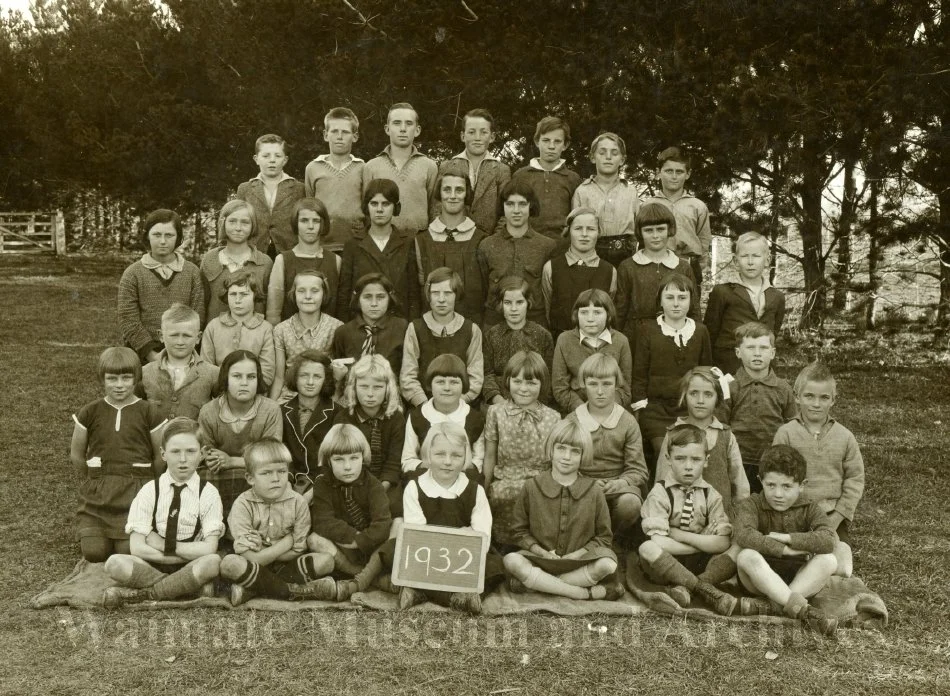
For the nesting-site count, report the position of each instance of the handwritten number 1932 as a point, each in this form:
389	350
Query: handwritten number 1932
442	562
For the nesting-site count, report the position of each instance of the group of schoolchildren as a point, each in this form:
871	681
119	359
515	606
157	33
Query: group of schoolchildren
520	355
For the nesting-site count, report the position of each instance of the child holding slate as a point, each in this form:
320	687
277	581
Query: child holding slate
515	432
593	316
269	524
562	524
445	496
174	524
311	224
699	391
115	447
371	403
350	511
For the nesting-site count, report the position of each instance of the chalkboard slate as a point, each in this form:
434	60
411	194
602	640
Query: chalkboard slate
430	557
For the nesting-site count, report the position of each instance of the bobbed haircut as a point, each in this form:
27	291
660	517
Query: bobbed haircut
753	330
452	432
447	365
458	174
597	298
269	139
678	281
478	113
785	460
654	214
607	135
550	123
529	365
576	213
700	372
341	113
570	432
517	187
267	450
512	283
230	360
389	190
674	154
310	356
814	372
324	284
231	207
317	206
241	278
181	426
685	434
372	367
442	274
158	217
344	438
119	360
751	238
600	366
180	313
375	278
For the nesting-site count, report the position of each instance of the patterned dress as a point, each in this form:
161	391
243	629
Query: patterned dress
518	434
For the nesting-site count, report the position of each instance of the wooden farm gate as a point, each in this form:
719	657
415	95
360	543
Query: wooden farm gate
32	233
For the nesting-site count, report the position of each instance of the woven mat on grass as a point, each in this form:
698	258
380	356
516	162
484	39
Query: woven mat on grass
849	599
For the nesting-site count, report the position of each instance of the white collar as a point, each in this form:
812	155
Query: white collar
440	227
536	164
326	159
283	177
603	336
434	489
592	259
437	329
671	260
435	416
193	484
755	291
684	334
591	424
489	157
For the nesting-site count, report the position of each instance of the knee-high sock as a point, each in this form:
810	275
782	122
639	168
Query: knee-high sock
719	569
545	582
178	584
671	570
260	580
579	577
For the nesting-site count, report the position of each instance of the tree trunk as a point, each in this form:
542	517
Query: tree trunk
843	272
943	239
812	186
874	255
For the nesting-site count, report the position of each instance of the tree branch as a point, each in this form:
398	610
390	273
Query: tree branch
472	17
364	20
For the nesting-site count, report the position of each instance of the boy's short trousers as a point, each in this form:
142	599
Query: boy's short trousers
787	568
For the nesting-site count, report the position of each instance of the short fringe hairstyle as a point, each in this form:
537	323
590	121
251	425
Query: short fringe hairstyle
753	329
454	433
529	365
814	372
512	283
310	356
704	373
231	207
242	278
598	298
344	438
119	360
570	432
600	366
447	365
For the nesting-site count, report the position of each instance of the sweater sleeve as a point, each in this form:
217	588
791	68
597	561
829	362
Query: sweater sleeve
380	519
268	356
409	383
322	517
475	366
625	360
852	483
737	475
745	530
129	313
396	435
715	306
655	512
635	470
820	538
301	525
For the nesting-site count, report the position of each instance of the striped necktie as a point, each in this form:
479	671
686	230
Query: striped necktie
375	447
369	343
353	510
171	525
686	515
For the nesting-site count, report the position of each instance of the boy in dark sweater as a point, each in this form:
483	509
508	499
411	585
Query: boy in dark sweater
786	544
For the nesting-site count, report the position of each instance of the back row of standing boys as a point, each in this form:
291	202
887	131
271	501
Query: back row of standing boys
555	243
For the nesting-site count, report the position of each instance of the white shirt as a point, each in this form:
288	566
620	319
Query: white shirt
412	510
207	508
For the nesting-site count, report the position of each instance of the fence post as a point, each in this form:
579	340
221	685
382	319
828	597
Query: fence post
59	233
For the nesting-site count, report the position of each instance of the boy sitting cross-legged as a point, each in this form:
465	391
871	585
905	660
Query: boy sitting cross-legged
686	522
786	543
174	525
269	524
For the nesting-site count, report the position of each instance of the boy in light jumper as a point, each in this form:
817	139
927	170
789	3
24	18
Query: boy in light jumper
402	162
336	178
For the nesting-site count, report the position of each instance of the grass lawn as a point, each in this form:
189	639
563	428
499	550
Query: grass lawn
59	314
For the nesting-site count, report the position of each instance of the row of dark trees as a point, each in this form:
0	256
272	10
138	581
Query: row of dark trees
159	103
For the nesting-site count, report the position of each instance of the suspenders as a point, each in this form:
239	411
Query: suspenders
201	487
